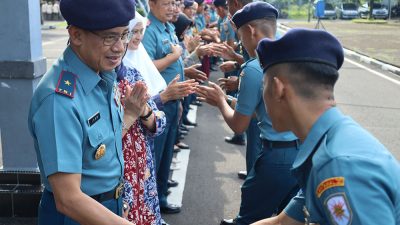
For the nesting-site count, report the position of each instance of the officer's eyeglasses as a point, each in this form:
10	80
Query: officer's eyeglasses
110	40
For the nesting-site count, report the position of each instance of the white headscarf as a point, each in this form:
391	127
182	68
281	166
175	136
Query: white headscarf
140	60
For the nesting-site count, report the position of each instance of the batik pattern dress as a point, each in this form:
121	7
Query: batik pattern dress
139	172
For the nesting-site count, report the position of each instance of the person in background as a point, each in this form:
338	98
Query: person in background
163	48
56	11
140	188
269	180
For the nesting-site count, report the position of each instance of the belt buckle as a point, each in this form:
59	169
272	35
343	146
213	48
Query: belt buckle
118	191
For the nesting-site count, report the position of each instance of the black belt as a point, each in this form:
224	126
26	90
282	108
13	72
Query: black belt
113	194
279	144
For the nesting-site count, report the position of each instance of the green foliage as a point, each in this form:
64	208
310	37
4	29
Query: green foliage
296	11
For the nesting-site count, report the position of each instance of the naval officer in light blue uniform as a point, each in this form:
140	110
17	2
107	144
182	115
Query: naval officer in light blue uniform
269	185
76	118
346	175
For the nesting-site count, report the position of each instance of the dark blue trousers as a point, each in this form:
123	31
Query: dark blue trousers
48	214
164	150
254	145
268	184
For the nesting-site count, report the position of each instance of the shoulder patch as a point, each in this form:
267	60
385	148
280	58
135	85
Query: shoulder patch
339	209
66	84
329	183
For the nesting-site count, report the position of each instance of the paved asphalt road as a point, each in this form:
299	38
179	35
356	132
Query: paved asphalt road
212	190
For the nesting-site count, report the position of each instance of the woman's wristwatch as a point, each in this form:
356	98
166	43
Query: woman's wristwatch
146	117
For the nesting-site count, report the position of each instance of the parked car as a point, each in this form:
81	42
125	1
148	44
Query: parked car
396	11
347	11
379	11
329	12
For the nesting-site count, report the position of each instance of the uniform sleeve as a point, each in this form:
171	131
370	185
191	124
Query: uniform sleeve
249	92
355	190
150	43
59	135
294	209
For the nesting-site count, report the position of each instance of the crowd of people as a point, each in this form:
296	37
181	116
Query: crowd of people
50	11
110	113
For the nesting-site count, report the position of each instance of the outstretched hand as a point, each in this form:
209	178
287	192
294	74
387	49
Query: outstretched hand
177	90
212	94
193	73
229	84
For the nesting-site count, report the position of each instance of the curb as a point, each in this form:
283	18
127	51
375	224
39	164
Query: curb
359	57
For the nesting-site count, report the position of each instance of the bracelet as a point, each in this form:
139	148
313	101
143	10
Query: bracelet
146	117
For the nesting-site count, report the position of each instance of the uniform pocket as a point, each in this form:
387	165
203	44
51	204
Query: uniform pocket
98	134
166	47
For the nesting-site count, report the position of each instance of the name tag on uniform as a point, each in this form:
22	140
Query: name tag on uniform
166	41
93	119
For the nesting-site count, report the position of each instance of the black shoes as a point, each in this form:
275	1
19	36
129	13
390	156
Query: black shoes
186	122
228	222
242	174
170	209
236	140
182	145
172	183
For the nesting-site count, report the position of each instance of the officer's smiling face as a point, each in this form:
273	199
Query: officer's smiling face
163	10
100	50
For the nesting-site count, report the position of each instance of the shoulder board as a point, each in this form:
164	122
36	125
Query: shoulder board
66	84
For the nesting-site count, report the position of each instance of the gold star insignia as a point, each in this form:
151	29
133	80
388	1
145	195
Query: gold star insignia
67	82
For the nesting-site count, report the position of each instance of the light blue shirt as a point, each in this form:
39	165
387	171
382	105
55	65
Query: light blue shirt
225	28
200	22
250	100
157	41
347	176
65	134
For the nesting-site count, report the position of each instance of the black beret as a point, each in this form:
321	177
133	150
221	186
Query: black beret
188	3
301	45
181	24
97	14
199	1
220	3
254	11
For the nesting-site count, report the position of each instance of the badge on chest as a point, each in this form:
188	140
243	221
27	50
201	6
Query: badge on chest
100	152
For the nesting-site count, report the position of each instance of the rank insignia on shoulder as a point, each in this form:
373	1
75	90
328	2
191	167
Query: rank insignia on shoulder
66	84
329	183
339	209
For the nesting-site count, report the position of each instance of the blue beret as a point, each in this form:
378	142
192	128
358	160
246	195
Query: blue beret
301	45
220	3
254	11
98	15
188	3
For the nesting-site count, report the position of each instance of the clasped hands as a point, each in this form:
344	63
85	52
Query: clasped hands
136	98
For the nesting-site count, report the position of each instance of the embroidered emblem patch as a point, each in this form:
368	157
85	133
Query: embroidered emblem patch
339	209
66	84
329	183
